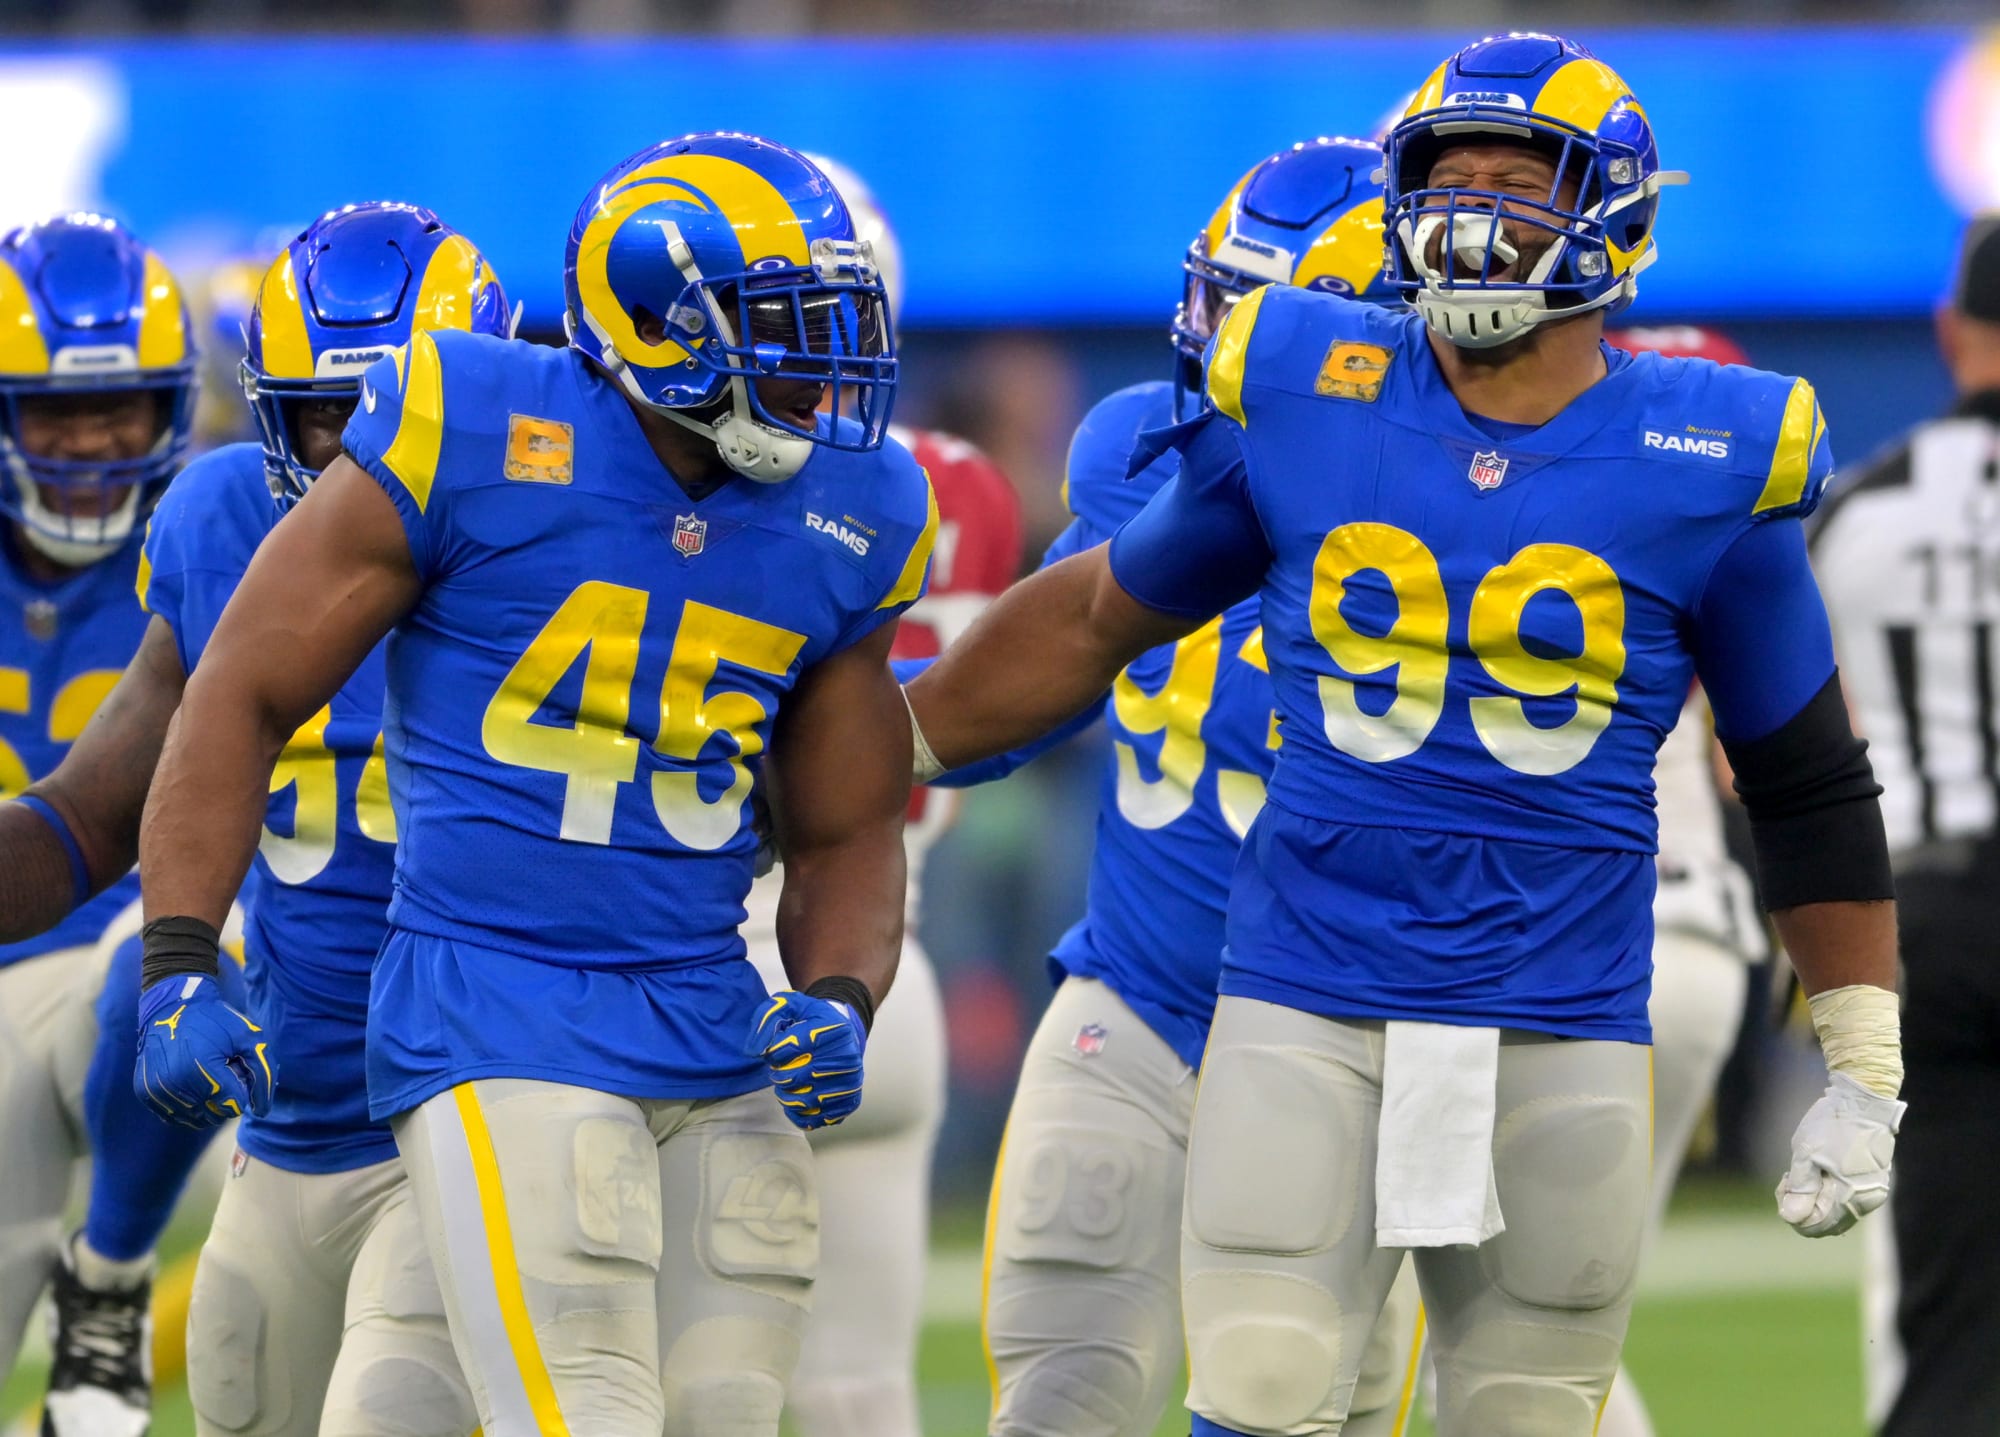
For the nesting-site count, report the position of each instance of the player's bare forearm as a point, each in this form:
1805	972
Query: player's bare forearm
1042	653
325	586
98	790
839	778
1837	945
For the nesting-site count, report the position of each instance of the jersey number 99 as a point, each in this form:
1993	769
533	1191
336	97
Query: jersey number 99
1416	646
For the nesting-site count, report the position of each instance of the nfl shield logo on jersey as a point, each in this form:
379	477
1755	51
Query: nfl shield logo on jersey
690	534
1090	1039
1487	470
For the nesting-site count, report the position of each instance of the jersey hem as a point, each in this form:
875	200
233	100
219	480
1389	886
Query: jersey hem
1326	1005
414	1094
324	1158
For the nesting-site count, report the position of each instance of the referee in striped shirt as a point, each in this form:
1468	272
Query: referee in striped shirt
1908	557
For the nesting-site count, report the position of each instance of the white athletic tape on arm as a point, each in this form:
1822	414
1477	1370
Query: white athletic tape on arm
924	765
1860	1031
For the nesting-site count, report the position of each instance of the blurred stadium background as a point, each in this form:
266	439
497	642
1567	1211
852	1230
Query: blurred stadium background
1045	162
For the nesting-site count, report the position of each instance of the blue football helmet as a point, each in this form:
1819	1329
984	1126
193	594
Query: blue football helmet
85	308
1310	216
743	257
351	288
1452	248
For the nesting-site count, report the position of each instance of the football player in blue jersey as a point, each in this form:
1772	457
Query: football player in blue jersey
1082	1299
620	597
314	1307
1491	553
97	388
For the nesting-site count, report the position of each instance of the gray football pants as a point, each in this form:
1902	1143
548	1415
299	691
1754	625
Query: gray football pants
1281	1276
1082	1302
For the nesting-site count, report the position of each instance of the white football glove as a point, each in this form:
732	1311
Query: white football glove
1840	1159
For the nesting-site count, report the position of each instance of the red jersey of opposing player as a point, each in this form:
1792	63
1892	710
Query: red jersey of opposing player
977	554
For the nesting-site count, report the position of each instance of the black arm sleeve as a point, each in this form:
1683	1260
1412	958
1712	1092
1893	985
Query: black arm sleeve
1811	796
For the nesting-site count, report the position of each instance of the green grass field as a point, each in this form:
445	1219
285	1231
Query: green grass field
1742	1330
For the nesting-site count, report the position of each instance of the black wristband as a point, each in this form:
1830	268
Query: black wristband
173	946
852	991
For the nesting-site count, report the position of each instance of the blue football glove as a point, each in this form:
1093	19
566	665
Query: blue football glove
812	1048
201	1061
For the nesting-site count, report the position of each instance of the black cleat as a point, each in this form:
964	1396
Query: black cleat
101	1379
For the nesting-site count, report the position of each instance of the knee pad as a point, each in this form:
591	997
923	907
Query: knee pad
228	1327
1575	1174
412	1391
1264	1349
397	1375
1480	1399
726	1376
1072	1387
1273	1164
759	1223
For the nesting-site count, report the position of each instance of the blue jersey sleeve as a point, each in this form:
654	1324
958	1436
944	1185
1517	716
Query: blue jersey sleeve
163	576
1198	547
397	434
199	541
1762	643
906	561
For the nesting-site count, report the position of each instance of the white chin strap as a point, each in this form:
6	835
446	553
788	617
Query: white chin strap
756	451
75	541
1485	316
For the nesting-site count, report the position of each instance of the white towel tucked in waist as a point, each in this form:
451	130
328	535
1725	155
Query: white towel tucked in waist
1434	1163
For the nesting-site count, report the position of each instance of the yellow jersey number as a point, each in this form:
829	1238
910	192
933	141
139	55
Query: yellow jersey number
1176	713
1415	646
307	766
598	752
75	702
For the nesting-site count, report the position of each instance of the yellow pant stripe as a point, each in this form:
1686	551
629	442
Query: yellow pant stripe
1416	1362
986	1274
506	1274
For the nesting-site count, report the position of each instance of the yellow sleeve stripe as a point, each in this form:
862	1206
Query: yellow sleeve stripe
1232	349
1799	436
413	454
145	579
910	583
507	1289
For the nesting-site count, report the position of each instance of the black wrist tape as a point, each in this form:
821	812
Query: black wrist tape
852	991
173	946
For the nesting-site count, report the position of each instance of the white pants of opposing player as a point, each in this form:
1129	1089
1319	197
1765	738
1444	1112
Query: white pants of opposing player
48	1027
1083	1259
316	1311
856	1375
1696	1008
1281	1277
614	1267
